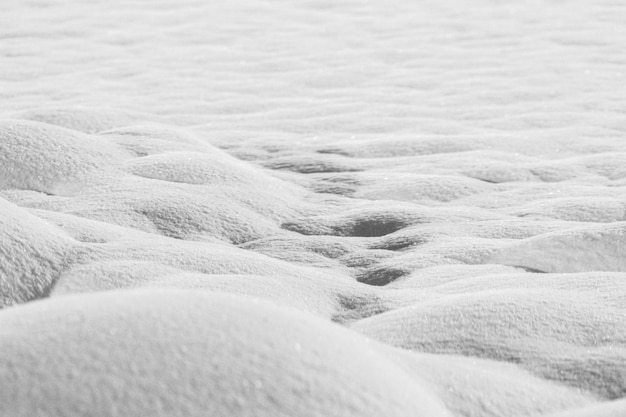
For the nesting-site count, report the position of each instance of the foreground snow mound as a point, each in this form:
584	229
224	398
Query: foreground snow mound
570	337
175	352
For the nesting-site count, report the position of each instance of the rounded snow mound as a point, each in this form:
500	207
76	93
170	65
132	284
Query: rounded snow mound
176	352
568	336
49	159
589	248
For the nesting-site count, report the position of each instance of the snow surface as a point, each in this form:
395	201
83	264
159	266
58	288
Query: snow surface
312	208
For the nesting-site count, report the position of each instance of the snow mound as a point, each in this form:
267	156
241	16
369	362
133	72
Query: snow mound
601	210
485	388
32	255
418	188
45	158
185	352
214	168
303	291
209	193
570	337
591	248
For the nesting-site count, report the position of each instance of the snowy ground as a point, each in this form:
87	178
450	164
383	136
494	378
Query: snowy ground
312	208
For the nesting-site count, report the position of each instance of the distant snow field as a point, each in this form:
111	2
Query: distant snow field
312	208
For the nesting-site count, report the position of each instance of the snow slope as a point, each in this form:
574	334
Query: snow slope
312	208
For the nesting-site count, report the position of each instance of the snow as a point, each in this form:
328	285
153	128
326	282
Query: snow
312	208
192	353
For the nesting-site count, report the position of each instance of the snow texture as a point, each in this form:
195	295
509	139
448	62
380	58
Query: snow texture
312	208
